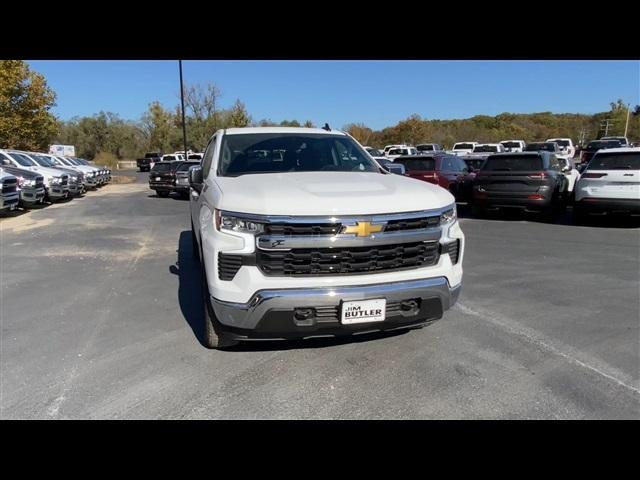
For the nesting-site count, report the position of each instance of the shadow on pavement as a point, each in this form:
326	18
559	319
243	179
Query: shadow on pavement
190	299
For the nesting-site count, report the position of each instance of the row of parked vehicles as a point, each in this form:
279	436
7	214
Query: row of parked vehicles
539	176
170	173
33	178
146	163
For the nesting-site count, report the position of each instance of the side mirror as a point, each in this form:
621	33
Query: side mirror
397	169
195	178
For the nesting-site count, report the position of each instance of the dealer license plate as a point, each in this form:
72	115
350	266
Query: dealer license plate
363	311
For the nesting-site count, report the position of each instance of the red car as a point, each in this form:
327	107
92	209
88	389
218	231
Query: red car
448	171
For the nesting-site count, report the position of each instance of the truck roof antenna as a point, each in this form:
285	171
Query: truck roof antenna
326	127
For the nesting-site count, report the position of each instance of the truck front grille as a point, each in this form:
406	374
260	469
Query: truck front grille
347	261
453	249
9	185
64	180
39	182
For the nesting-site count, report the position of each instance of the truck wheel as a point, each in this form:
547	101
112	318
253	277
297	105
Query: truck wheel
211	338
195	250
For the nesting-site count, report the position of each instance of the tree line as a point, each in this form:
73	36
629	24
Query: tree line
26	122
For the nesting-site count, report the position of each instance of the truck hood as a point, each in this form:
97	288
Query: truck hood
47	172
328	193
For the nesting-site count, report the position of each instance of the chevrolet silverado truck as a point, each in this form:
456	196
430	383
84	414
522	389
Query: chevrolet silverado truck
30	186
145	164
315	239
9	196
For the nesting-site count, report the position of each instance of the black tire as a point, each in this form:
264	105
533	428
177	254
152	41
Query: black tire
195	250
210	337
162	193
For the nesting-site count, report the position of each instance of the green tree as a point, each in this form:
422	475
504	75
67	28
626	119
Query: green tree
25	100
239	117
158	124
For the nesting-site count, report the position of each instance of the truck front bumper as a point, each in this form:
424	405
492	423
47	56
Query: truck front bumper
276	314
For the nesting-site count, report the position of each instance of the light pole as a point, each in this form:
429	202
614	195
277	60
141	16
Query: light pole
184	126
626	127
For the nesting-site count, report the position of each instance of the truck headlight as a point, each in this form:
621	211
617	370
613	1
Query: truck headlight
56	181
449	216
73	178
28	183
236	224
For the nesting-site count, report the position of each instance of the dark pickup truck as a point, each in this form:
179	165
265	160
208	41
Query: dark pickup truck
144	164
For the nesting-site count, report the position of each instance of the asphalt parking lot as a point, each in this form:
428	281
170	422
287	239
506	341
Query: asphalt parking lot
101	315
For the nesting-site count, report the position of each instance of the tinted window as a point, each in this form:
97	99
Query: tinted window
485	148
593	146
513	163
615	161
184	166
208	156
511	144
562	143
169	158
162	167
22	160
463	146
417	164
374	152
291	152
195	157
537	147
425	148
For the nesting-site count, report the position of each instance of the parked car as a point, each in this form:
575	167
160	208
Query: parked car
76	179
104	170
592	147
56	182
145	164
570	171
90	175
181	183
326	244
446	170
389	147
624	141
30	186
390	166
513	145
402	151
162	177
379	157
174	157
428	148
610	183
474	163
551	147
9	196
463	148
565	145
531	181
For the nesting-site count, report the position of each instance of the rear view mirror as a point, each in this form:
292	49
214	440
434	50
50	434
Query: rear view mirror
195	178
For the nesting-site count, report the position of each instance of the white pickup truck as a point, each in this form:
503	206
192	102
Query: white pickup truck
315	239
566	146
463	148
9	195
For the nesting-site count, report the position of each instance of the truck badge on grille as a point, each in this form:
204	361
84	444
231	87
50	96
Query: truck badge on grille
363	229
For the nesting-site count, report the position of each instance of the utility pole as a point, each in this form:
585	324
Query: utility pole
184	126
626	127
606	124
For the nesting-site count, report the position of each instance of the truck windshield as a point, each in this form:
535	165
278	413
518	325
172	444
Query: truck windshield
615	161
42	161
463	146
425	148
510	163
24	161
562	143
254	153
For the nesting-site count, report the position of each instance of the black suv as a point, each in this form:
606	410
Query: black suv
162	177
532	181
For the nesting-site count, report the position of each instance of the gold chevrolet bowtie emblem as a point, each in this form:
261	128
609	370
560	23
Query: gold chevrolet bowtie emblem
363	229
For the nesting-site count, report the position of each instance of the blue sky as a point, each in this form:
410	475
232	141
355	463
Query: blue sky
377	93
